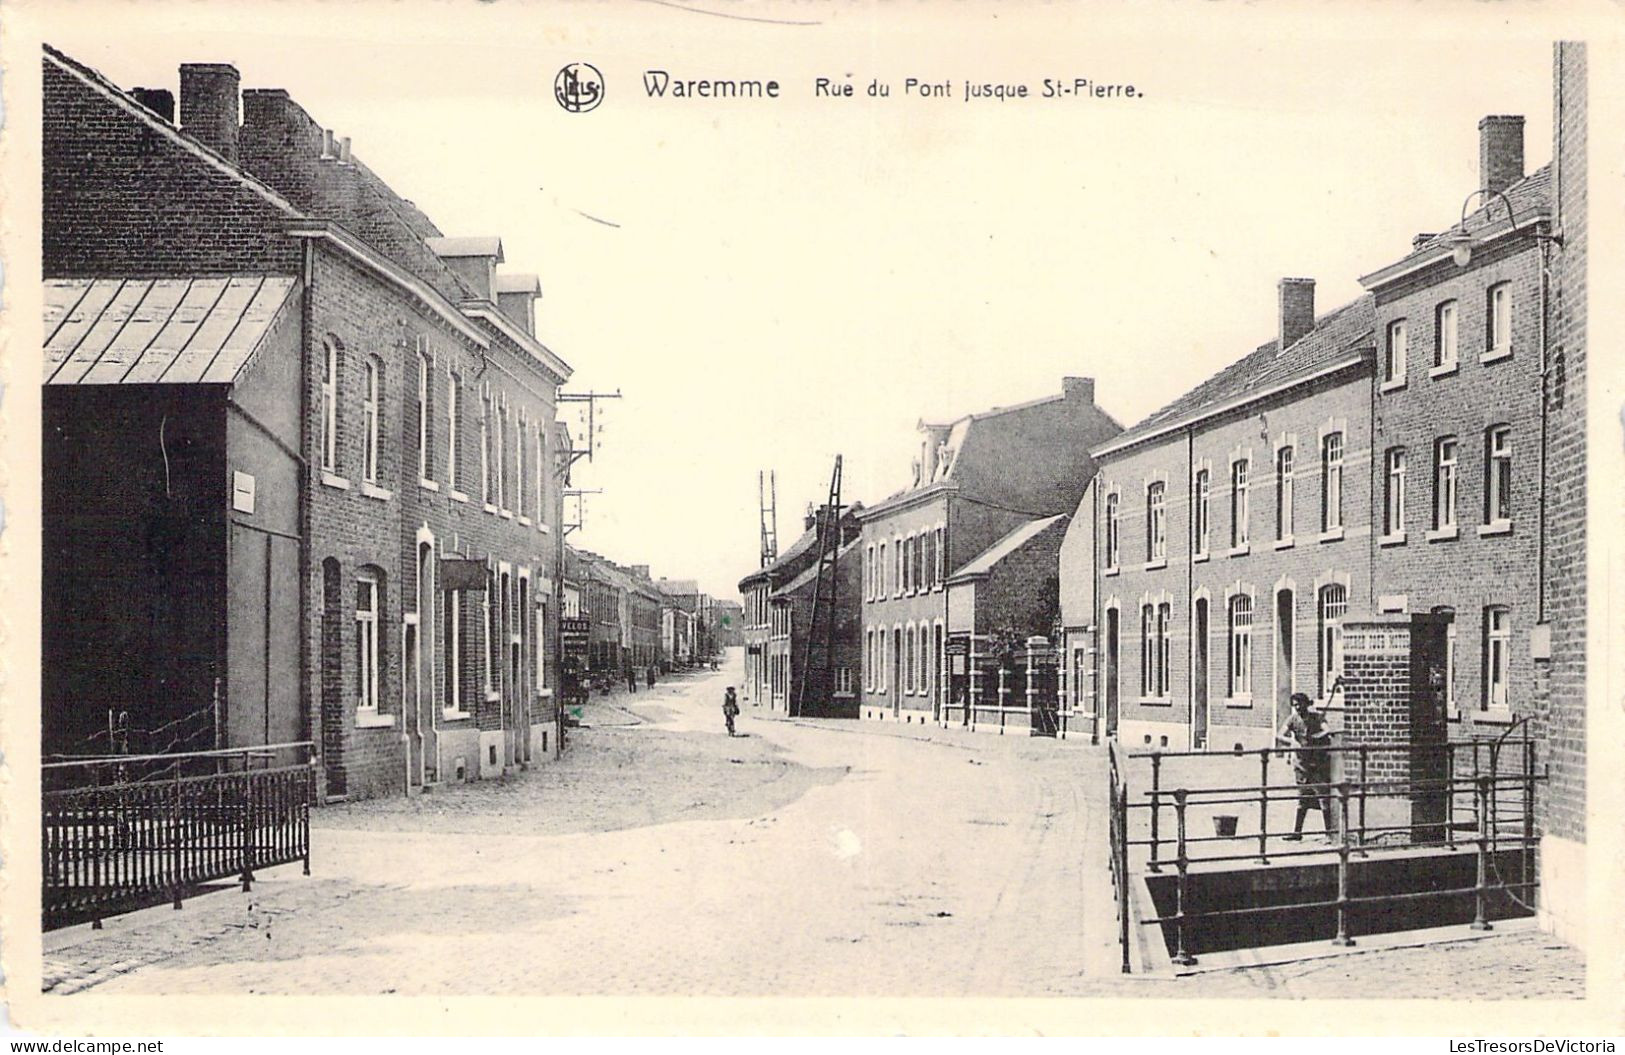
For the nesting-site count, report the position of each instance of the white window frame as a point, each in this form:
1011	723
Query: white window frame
330	408
1497	658
1331	607
1497	322
1203	514
452	637
1446	483
519	464
1498	476
1156	516
1395	352
1114	512
1393	506
423	414
1285	494
1239	616
369	423
1240	470
368	659
1446	337
1331	485
454	409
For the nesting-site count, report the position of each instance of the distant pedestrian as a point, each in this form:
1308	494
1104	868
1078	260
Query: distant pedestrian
730	710
1311	763
631	680
651	675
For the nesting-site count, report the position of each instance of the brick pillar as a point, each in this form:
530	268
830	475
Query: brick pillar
1393	688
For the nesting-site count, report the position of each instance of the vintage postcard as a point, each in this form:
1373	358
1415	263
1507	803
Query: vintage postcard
804	517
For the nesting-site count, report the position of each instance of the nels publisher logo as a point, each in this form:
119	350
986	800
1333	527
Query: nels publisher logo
579	87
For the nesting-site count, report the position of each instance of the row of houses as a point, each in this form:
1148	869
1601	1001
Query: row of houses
1417	452
630	624
303	471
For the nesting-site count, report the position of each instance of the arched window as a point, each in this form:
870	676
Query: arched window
1156	522
369	423
1334	604
1241	645
330	405
1200	520
1112	555
1497	656
368	608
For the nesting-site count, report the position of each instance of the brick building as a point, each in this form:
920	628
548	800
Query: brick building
976	480
1003	605
1560	685
1210	562
679	601
830	670
756	592
360	409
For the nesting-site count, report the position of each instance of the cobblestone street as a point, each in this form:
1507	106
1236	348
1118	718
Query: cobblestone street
661	857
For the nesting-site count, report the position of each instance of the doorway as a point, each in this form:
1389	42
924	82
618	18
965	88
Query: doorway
1284	628
1111	672
1199	700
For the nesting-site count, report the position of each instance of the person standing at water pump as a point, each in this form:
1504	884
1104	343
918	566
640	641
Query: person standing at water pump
1311	764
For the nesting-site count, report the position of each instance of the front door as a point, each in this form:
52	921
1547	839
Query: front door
896	672
1111	672
1199	676
1284	627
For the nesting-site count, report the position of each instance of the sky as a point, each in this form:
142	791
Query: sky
771	282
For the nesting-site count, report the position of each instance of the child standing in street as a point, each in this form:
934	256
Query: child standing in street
730	710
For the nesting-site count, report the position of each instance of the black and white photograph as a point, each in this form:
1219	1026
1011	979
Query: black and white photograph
838	517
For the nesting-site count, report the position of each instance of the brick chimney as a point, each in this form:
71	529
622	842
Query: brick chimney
516	297
1422	238
1500	152
209	105
160	101
1297	301
1078	389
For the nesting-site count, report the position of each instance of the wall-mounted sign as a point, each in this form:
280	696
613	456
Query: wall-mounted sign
242	492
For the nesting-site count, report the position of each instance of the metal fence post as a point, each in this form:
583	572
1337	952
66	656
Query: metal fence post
1343	869
1479	922
1156	810
175	840
1263	805
248	826
1121	807
1450	811
1182	954
1364	754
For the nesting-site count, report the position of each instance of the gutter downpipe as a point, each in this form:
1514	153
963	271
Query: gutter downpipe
308	699
1190	590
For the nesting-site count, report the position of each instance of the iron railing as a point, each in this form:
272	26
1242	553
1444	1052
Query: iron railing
122	839
1477	795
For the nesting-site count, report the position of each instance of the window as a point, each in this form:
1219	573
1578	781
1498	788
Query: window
1238	503
1284	488
1334	604
1449	656
499	457
1200	518
880	673
369	425
485	451
1445	332
908	564
1444	483
366	642
1498	475
1156	522
519	465
919	562
1331	482
491	654
541	474
330	409
1111	530
1164	618
908	663
452	637
1148	650
423	416
843	680
942	554
1498	321
1241	645
454	413
1394	353
1497	655
1393	520
869	660
897	577
880	572
868	579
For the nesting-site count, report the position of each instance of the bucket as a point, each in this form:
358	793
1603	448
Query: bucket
1224	825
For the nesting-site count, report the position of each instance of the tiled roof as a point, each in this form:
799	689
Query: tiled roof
678	587
811	572
108	331
1338	336
1528	197
984	562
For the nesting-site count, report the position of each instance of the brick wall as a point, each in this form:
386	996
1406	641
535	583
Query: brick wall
1564	695
125	197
